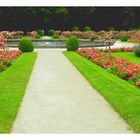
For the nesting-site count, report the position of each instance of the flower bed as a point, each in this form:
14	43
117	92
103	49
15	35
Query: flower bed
134	36
12	35
6	58
124	49
118	66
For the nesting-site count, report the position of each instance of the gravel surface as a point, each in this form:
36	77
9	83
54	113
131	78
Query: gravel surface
58	99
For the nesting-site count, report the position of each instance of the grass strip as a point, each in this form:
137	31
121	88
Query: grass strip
128	55
13	82
122	96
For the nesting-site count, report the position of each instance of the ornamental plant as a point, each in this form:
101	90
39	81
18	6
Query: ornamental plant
40	32
9	55
111	28
87	29
3	44
6	58
118	66
55	36
33	34
75	28
125	38
72	44
51	32
26	45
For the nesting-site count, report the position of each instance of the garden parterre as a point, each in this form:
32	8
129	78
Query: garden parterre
118	66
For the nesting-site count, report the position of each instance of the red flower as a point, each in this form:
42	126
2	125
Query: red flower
106	61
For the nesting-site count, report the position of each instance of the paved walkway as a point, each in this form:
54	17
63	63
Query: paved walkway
123	44
58	99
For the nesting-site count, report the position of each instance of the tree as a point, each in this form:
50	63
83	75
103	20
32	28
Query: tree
128	16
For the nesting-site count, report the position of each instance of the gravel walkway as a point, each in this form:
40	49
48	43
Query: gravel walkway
58	99
123	44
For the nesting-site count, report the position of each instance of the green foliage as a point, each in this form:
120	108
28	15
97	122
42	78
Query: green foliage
61	10
51	32
38	36
40	32
137	50
124	38
122	75
4	63
13	82
130	56
87	28
72	44
112	69
134	28
26	45
75	28
111	28
125	16
55	36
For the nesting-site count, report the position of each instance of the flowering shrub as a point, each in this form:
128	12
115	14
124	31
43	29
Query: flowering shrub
2	42
86	34
12	35
124	49
9	55
118	66
6	58
33	34
58	32
133	36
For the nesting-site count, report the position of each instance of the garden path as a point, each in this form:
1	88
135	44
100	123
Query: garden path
58	99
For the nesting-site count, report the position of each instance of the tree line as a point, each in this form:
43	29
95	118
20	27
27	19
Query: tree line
64	18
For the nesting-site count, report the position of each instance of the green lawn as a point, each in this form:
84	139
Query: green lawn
13	82
128	55
123	97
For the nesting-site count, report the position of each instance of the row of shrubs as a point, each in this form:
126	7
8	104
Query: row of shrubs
26	45
75	28
72	44
54	35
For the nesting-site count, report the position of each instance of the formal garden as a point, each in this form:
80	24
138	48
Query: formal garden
113	71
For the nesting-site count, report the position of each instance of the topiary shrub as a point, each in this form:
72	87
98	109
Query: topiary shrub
87	28
51	32
40	32
26	45
55	36
137	50
75	28
38	36
111	28
72	44
124	38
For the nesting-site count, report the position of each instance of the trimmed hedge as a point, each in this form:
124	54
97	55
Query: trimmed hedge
26	45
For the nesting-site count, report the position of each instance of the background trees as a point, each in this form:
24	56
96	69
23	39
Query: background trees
64	18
